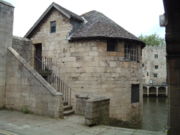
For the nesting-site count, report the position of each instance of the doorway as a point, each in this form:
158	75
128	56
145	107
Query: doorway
38	56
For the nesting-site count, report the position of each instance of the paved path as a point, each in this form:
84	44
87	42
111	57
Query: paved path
27	124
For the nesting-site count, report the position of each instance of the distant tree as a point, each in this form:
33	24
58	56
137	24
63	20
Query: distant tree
152	40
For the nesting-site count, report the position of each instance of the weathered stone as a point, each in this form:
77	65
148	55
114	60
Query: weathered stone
28	91
24	47
149	62
81	104
88	68
97	111
6	26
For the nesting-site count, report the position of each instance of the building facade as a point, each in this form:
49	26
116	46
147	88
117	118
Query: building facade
154	70
87	55
93	56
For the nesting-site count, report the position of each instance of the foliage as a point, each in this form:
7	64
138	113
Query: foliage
25	110
152	40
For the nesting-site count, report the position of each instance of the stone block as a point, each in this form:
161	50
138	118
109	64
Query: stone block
97	111
81	104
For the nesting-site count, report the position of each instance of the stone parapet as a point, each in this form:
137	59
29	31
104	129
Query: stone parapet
97	111
81	104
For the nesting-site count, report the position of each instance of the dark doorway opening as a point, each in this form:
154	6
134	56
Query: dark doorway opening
134	93
38	56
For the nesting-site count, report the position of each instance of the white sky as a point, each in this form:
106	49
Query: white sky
136	16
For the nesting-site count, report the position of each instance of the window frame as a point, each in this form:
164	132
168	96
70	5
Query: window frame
156	66
156	56
131	52
52	26
112	45
155	75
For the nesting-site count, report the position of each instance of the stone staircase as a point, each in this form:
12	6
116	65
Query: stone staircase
45	70
68	109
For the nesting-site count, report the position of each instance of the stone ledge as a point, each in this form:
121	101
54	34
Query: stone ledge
98	99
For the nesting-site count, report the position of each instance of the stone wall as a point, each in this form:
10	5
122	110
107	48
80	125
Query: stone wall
149	61
97	111
27	91
89	69
80	104
24	47
6	26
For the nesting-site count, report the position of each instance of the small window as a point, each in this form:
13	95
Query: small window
147	74
134	93
131	52
53	26
156	67
112	46
142	65
156	56
155	75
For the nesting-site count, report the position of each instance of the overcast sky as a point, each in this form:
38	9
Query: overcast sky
136	16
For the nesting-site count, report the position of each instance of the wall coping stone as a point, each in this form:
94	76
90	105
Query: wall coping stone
34	73
82	96
98	99
21	38
6	3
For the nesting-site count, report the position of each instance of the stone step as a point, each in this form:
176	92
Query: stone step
65	103
67	107
69	112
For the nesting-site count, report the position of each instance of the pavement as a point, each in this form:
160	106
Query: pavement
17	123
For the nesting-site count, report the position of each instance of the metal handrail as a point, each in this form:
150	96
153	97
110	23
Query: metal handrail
44	65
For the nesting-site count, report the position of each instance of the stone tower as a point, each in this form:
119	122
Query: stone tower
6	27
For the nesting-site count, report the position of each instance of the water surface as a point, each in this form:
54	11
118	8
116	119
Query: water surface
155	113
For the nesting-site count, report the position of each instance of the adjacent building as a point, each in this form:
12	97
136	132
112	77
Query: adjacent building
154	70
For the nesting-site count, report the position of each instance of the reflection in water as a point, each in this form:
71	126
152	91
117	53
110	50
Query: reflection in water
155	113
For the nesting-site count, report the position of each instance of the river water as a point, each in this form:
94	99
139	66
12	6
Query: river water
155	113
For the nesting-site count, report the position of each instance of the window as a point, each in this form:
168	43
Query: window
142	65
156	66
147	74
134	93
155	75
156	56
53	26
131	52
112	46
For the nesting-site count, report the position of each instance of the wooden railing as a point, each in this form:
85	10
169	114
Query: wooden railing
44	67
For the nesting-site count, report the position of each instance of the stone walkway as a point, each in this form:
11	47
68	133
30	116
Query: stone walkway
28	124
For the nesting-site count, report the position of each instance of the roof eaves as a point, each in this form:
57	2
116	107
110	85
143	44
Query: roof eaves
72	38
60	10
67	13
6	3
43	15
38	21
